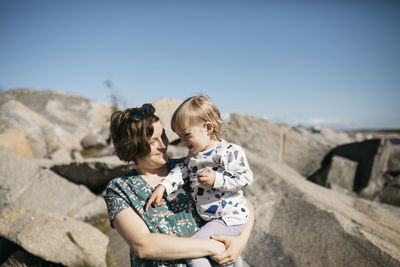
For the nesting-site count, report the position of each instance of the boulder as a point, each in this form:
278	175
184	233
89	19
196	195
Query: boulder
341	174
21	258
61	156
372	157
177	151
164	109
394	161
299	223
54	237
24	184
53	193
95	173
93	140
390	193
57	138
42	136
119	248
77	115
15	115
16	141
278	143
379	168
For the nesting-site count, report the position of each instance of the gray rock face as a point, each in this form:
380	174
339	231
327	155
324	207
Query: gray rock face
43	137
299	223
92	140
21	258
177	151
95	173
164	110
53	237
379	168
394	161
279	143
51	120
73	113
24	184
341	174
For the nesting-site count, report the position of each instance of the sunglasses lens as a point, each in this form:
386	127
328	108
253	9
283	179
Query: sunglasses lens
136	115
148	108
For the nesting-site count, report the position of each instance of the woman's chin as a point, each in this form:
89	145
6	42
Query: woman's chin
162	157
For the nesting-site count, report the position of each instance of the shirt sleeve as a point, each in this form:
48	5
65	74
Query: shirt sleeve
175	178
234	173
115	199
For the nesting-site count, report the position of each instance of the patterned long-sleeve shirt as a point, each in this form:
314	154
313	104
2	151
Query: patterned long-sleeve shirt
225	198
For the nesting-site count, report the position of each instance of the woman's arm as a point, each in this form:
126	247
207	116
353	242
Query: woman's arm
235	244
160	246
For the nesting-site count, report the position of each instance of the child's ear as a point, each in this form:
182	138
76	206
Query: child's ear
209	126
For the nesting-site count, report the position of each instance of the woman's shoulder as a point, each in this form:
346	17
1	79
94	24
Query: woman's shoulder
122	179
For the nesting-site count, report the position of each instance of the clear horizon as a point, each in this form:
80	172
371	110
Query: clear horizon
332	64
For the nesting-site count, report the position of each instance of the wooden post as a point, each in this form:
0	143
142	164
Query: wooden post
282	146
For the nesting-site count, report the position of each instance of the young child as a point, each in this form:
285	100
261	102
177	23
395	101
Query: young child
216	170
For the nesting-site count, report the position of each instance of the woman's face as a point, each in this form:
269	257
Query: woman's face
157	157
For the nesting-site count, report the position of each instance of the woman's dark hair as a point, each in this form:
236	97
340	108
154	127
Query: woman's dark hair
131	134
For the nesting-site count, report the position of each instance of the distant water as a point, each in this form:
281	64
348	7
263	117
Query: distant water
395	142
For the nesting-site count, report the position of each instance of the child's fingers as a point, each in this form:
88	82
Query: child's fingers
203	180
149	202
159	201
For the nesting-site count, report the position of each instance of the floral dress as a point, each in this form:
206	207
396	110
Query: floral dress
177	216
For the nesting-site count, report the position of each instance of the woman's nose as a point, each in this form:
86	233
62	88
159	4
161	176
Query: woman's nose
161	144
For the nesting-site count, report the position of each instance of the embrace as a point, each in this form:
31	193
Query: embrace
180	212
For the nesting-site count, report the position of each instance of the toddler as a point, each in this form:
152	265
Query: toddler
216	170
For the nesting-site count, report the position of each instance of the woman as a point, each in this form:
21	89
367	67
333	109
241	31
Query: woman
157	237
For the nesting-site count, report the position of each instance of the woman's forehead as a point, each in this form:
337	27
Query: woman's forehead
158	129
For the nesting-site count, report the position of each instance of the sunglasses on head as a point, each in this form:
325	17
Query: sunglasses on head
136	114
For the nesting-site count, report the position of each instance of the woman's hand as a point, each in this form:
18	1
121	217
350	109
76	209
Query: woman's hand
234	247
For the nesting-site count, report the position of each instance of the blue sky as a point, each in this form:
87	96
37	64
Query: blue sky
334	64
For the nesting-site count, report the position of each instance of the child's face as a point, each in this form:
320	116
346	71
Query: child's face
196	138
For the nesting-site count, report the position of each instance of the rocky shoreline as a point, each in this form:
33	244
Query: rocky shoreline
322	197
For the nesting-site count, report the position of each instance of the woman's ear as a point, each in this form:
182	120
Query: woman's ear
210	127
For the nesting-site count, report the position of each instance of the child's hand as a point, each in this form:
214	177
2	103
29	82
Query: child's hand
156	197
206	176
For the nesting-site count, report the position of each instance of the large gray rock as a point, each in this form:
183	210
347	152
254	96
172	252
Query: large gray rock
295	147
177	151
15	115
72	113
394	161
164	109
379	168
95	173
52	193
16	141
43	137
341	174
299	223
21	258
24	184
51	120
54	237
390	193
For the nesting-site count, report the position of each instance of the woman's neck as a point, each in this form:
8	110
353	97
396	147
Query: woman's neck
153	176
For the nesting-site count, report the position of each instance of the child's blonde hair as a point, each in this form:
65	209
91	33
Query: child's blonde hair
195	111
